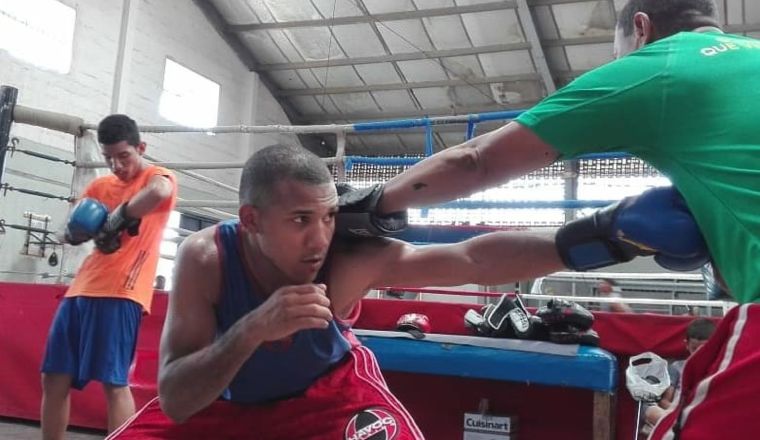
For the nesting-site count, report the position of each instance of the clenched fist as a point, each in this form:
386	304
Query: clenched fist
291	309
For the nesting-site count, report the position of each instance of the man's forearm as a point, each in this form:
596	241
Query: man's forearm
450	174
485	161
149	198
505	257
190	383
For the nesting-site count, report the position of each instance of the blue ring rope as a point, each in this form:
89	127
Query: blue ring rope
524	204
409	161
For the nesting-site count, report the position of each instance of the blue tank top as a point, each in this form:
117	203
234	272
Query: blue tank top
279	370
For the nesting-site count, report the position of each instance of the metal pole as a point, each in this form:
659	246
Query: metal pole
8	96
340	154
428	140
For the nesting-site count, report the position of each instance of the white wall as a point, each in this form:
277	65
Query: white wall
157	29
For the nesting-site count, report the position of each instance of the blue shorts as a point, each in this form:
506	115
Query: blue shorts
93	339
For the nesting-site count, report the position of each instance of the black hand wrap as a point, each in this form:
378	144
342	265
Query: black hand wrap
108	239
358	217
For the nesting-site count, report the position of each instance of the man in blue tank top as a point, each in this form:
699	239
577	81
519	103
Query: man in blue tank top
257	340
261	310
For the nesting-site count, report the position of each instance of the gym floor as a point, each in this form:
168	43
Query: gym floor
18	429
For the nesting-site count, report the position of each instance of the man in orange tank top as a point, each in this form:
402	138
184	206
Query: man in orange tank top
94	332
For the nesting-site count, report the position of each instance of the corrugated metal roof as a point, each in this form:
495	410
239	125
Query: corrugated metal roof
350	60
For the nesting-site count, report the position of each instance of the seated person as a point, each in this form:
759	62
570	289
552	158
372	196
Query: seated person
257	341
697	333
609	288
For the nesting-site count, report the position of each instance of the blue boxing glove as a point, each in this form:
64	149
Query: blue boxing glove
108	239
656	222
358	217
85	221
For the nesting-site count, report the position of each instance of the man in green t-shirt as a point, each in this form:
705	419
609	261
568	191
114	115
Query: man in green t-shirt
685	97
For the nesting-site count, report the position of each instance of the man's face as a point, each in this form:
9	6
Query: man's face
604	288
295	230
693	345
124	160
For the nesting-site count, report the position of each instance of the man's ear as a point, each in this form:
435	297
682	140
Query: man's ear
250	218
141	148
643	29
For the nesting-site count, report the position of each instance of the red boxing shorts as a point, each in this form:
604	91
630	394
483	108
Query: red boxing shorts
351	402
720	385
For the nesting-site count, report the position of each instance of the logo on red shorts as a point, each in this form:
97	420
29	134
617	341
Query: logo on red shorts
371	424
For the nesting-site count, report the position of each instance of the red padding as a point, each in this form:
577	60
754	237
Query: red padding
26	311
437	403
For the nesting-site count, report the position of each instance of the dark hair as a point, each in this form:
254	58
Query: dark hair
116	128
275	163
609	281
700	329
669	17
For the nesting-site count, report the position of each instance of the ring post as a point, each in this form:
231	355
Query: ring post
428	138
8	96
470	130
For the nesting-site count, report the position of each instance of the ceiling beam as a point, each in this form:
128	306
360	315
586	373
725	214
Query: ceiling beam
220	26
597	39
370	115
601	39
243	53
539	58
557	2
386	48
370	18
246	57
416	55
569	74
411	85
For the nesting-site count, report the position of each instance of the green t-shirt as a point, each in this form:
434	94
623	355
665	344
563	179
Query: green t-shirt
690	106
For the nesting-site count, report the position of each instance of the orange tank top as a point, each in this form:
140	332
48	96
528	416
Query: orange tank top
129	272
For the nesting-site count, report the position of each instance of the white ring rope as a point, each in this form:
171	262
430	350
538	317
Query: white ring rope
196	165
77	127
242	129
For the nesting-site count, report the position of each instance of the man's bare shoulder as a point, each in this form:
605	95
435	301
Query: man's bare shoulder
199	250
197	271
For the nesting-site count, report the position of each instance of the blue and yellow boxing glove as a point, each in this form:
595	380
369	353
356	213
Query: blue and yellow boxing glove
358	217
85	221
656	222
108	239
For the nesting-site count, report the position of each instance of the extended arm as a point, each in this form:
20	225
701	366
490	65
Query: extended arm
657	222
487	160
494	258
591	114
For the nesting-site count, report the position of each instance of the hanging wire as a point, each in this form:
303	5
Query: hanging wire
422	51
329	50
